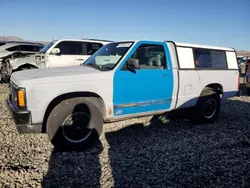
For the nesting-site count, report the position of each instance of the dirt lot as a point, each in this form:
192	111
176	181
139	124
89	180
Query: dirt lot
135	153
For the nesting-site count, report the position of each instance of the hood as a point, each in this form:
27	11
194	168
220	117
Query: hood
33	59
51	74
4	53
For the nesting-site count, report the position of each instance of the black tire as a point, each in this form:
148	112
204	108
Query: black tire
74	111
248	91
202	113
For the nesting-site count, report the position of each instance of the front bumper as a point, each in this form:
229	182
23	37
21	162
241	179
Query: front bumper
22	119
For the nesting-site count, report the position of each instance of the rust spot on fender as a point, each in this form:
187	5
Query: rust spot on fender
110	112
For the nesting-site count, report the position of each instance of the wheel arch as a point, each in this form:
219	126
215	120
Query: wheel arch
214	87
211	87
26	65
93	97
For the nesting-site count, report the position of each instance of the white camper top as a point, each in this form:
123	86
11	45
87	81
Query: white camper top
181	44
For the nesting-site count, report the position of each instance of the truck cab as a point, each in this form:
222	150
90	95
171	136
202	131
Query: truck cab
122	80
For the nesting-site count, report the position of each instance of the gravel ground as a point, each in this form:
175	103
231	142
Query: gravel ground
136	153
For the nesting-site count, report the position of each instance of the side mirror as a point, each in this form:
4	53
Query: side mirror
133	64
55	51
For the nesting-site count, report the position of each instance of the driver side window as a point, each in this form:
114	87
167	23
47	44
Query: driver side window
70	48
150	56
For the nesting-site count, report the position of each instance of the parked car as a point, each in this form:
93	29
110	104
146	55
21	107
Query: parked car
14	49
122	80
8	48
58	53
242	60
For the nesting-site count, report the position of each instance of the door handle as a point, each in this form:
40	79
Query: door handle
79	59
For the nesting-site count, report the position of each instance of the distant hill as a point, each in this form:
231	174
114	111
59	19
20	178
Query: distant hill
15	38
11	38
242	53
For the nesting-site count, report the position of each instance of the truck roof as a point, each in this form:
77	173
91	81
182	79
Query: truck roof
103	40
84	40
181	44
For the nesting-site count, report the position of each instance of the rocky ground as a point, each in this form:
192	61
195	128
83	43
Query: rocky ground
135	153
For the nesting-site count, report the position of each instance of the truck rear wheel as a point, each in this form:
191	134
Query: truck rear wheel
74	125
248	91
207	108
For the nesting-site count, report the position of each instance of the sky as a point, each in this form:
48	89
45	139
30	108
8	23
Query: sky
210	22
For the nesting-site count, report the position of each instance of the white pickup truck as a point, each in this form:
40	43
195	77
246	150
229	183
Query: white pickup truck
122	80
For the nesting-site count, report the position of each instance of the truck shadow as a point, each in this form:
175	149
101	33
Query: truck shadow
74	169
182	154
177	153
71	169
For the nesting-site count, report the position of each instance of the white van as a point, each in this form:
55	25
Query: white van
68	52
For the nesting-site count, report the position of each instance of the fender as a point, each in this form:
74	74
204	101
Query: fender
39	100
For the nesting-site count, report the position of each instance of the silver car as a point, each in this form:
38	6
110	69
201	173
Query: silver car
13	49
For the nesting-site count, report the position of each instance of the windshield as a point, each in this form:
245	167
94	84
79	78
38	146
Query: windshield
107	57
46	47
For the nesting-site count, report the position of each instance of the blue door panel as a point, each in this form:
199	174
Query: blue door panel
144	91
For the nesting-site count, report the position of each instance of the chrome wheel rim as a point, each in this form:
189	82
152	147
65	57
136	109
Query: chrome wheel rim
77	127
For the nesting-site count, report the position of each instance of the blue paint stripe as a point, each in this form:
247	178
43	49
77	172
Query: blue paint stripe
164	101
141	109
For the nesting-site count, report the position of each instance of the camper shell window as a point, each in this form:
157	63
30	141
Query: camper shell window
209	58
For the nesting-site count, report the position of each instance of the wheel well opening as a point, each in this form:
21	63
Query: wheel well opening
93	97
27	66
216	87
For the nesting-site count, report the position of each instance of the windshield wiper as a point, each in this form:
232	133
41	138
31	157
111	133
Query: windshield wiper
94	66
109	68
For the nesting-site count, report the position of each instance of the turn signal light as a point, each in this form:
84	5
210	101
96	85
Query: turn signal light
21	98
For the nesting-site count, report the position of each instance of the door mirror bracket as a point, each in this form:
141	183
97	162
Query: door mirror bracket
132	64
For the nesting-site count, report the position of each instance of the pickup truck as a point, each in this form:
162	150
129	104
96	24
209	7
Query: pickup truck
122	80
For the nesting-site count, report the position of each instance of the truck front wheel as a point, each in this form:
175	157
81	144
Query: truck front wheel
207	108
74	125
